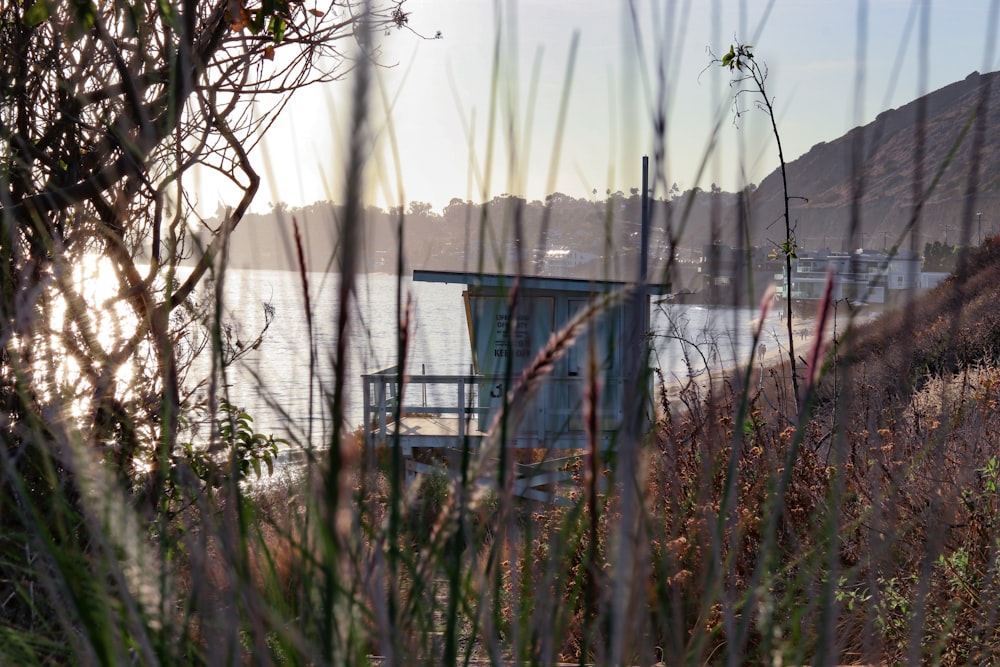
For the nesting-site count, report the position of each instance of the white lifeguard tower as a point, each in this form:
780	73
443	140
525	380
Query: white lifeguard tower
506	334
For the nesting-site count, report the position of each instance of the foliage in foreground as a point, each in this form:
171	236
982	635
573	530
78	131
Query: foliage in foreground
859	524
868	533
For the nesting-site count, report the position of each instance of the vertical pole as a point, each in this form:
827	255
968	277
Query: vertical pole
368	415
634	398
644	257
381	406
461	411
637	326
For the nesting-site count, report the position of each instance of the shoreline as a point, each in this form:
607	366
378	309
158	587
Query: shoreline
774	338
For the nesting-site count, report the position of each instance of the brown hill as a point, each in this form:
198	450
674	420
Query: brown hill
957	158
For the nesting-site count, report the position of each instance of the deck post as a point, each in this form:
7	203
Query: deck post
369	441
382	427
461	409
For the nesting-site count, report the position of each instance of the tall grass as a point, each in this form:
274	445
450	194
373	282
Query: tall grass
744	523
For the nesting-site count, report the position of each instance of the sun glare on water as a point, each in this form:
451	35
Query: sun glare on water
89	325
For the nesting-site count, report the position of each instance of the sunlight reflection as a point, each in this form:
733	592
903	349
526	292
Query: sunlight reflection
90	322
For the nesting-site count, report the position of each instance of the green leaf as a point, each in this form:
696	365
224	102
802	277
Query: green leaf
257	22
788	248
167	13
134	15
727	60
86	16
278	27
37	13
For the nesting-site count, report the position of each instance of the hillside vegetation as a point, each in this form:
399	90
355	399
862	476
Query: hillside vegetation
879	528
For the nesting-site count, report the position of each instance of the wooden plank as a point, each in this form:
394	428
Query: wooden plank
553	477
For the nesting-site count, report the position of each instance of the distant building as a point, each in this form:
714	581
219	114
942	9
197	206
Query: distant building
561	261
556	261
931	279
863	277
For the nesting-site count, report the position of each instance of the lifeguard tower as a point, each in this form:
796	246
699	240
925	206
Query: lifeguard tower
506	334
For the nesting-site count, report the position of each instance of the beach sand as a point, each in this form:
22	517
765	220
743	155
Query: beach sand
774	339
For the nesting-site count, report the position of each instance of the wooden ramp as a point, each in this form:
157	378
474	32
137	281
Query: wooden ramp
545	481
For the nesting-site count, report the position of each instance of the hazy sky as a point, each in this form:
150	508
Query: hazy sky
494	84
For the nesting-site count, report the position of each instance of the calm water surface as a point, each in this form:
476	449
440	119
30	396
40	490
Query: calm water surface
275	385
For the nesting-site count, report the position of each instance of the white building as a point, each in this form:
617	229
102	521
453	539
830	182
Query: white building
861	277
558	261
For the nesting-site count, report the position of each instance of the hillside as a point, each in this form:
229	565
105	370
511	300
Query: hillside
889	166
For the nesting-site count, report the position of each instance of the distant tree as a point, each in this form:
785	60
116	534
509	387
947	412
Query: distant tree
940	256
558	198
457	210
419	208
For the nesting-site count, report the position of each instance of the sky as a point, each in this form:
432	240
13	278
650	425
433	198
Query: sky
541	96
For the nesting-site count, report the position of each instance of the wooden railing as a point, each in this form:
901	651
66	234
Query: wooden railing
556	408
382	400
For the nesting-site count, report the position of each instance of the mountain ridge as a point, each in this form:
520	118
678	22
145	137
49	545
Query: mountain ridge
890	169
960	157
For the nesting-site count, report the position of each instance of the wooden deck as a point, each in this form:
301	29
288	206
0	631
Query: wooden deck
435	426
453	419
423	431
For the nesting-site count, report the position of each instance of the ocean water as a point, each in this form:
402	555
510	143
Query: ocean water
274	382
